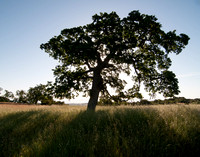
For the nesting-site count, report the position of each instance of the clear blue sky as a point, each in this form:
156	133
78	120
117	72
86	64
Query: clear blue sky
25	24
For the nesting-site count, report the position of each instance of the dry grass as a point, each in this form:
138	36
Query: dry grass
160	130
6	108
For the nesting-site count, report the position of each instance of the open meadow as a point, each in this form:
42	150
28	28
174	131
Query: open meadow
157	130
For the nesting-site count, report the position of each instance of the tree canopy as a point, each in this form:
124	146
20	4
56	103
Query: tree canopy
21	96
93	56
41	94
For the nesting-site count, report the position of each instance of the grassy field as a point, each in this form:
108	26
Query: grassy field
29	130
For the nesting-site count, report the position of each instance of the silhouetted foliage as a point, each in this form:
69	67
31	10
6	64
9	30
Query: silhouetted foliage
4	99
93	56
196	101
41	94
21	96
8	94
171	101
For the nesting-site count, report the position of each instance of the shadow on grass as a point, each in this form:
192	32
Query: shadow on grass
124	132
22	128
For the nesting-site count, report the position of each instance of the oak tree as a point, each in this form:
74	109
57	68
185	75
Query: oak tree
21	96
92	57
40	93
8	94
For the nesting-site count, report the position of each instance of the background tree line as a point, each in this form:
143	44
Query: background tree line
40	94
174	100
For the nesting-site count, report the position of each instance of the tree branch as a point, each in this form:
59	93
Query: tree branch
88	65
107	59
91	70
99	61
139	75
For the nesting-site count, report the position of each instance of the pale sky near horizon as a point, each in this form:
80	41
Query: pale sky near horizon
25	24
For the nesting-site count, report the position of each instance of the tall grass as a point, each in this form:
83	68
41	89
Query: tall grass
110	131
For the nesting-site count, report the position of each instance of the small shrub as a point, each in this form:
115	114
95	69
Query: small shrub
4	99
145	102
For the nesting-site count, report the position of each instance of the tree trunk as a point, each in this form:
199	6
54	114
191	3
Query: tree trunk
94	93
